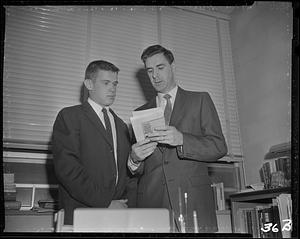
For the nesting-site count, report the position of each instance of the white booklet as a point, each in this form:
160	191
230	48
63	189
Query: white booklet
144	121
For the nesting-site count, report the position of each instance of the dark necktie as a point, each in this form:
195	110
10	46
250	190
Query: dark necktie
168	109
108	126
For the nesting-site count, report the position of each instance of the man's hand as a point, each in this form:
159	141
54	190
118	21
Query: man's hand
167	135
142	149
118	204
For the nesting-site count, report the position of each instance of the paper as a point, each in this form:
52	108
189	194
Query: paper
145	121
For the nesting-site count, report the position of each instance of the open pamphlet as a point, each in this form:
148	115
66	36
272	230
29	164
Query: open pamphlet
145	121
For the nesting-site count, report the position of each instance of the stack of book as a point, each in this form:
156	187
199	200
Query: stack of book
276	172
276	169
270	220
10	192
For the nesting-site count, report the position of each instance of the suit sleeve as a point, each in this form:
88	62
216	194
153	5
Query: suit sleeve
210	145
69	170
131	190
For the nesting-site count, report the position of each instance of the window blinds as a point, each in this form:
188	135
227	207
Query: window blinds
119	35
48	48
229	90
43	69
203	62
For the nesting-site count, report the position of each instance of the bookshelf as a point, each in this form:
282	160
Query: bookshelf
35	182
257	202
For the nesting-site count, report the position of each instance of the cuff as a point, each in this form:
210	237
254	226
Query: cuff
132	166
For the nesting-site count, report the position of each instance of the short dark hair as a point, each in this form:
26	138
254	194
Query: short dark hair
157	49
94	66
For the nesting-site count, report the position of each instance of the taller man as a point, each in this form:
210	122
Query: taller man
174	158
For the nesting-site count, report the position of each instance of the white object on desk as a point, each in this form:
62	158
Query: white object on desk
121	220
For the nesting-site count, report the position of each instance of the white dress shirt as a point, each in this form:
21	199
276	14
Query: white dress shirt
162	102
98	109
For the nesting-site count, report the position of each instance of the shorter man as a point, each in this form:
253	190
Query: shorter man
91	146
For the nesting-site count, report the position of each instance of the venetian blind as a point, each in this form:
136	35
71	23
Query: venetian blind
203	62
43	69
119	35
48	48
231	108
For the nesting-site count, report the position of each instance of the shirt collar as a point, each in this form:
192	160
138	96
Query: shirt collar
96	107
172	93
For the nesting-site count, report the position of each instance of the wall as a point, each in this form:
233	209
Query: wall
261	43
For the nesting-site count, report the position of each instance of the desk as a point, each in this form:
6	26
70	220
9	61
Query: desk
28	221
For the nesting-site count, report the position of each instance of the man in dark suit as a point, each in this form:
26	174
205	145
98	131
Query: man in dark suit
172	161
91	146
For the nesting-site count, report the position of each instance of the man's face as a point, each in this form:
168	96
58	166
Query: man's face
160	73
103	88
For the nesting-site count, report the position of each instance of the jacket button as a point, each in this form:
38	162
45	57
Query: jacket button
166	162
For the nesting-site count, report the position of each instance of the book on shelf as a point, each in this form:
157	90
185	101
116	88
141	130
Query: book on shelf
284	164
219	196
276	172
145	121
9	183
276	168
267	220
254	222
276	221
259	220
10	191
284	204
250	220
265	175
278	179
10	196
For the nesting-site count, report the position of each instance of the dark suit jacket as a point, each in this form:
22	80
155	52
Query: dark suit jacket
169	168
84	161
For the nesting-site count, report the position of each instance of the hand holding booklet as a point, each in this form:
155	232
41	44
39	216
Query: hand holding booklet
145	121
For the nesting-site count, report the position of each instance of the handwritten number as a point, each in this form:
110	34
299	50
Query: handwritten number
288	225
267	227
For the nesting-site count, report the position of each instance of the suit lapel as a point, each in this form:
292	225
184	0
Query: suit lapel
178	108
119	139
92	116
177	112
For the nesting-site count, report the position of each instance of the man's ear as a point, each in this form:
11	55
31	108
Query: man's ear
88	84
173	66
